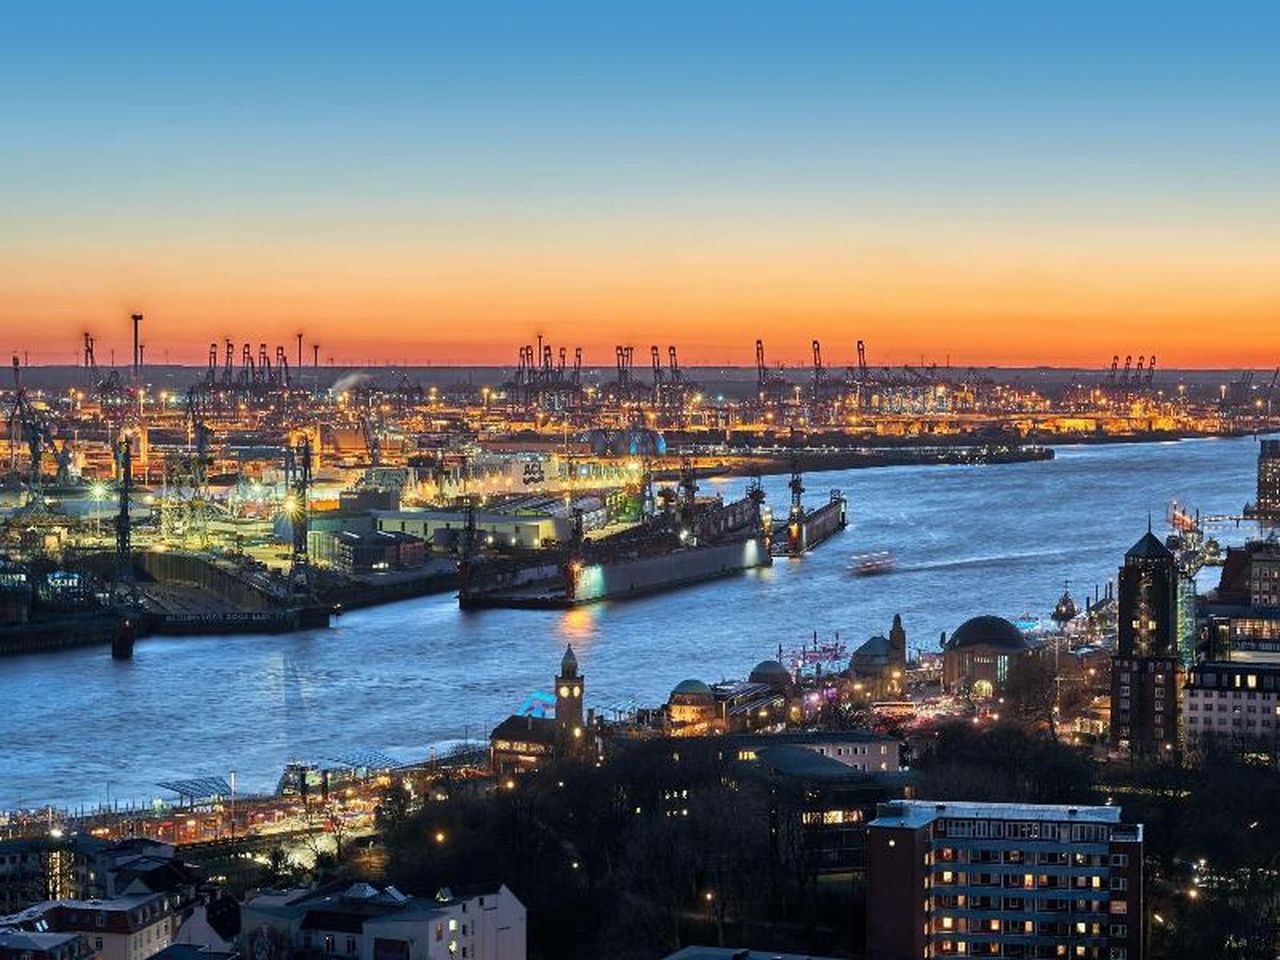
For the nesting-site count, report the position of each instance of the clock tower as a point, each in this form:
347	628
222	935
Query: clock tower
569	728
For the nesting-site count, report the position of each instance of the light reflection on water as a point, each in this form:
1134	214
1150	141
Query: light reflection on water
78	726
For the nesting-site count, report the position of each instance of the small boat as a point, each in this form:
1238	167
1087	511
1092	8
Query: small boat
870	564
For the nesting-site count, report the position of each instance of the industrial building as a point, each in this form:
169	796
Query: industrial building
443	529
956	879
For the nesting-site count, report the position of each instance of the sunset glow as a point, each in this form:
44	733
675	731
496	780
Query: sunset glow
439	187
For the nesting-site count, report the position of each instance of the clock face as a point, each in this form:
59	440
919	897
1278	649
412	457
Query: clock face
577	691
564	691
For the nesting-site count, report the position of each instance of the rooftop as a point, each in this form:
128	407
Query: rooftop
732	953
919	813
21	940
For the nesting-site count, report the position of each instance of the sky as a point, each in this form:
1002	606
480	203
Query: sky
986	182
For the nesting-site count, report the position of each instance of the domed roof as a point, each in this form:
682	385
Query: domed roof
770	671
569	663
692	688
993	631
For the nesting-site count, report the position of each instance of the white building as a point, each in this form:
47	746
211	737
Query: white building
136	926
362	922
1232	705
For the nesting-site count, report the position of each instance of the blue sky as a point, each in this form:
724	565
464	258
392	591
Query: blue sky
145	131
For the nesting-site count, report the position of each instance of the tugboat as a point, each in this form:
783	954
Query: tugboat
871	564
1066	610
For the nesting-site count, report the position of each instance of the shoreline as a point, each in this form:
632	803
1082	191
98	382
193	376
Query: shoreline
46	636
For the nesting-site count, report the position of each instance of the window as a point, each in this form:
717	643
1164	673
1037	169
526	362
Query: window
1119	859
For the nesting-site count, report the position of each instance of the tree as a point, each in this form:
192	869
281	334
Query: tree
1030	691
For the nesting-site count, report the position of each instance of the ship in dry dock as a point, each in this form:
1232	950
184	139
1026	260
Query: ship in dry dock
683	539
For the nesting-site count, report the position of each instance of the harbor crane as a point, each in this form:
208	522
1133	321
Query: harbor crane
770	388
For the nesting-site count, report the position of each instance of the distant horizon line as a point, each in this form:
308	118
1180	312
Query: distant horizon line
337	363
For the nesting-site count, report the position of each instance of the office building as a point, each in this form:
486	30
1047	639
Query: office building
1003	880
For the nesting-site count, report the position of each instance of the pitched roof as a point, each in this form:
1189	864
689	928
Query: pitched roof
1149	547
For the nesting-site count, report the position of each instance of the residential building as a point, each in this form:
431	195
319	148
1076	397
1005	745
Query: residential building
1146	669
136	926
1003	880
361	922
35	869
1233	706
1267	502
23	945
860	750
737	953
829	801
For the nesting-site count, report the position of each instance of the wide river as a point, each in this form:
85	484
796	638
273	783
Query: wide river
79	728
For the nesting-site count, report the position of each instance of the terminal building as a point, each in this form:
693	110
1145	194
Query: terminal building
1003	880
977	657
760	702
524	742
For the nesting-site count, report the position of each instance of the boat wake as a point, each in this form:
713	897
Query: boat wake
1027	558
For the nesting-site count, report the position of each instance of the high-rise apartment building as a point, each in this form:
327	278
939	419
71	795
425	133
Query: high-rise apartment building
1003	880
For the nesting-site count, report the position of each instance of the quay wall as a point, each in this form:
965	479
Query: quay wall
66	632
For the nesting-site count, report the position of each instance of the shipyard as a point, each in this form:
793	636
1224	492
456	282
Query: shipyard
271	491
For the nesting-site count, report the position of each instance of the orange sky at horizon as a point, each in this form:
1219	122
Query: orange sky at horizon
1194	301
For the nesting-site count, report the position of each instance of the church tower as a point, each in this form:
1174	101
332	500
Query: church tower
569	728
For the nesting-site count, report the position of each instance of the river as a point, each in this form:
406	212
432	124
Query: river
80	728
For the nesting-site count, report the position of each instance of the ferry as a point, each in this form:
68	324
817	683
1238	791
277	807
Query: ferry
870	564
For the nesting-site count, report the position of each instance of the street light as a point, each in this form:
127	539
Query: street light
97	493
